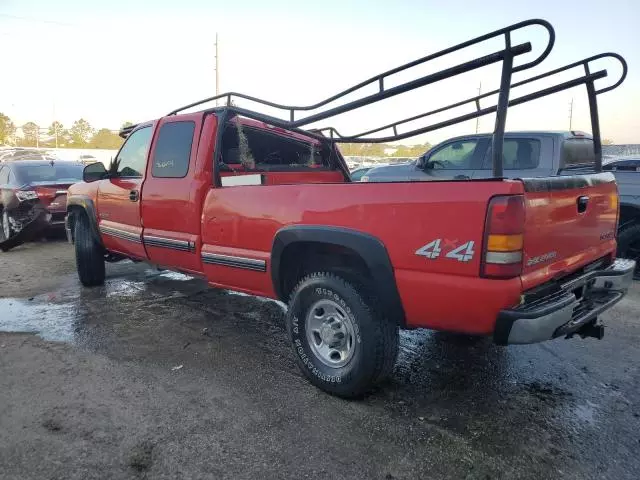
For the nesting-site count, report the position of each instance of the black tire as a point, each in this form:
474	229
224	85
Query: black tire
2	235
629	244
374	340
89	255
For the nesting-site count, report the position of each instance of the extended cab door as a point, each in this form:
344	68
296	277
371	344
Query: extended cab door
118	203
173	192
455	160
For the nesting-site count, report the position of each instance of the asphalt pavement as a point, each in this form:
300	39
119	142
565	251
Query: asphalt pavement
156	376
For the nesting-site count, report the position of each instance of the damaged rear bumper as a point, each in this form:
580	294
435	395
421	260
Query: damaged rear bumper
572	309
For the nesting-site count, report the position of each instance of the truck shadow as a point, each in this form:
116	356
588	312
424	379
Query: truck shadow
470	387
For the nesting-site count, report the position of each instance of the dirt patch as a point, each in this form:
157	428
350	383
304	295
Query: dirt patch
141	456
545	391
52	425
35	268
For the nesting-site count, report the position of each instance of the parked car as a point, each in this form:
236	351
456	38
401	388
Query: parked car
528	154
18	153
33	197
87	159
277	215
525	154
627	173
356	175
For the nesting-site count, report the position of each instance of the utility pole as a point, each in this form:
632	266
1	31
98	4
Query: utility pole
571	114
478	104
55	124
217	70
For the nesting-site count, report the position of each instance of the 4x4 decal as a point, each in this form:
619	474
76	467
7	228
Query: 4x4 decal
432	250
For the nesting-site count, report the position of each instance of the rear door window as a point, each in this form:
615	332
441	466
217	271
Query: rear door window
517	154
577	151
54	172
173	150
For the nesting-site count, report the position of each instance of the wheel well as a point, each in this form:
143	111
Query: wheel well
629	214
72	213
301	258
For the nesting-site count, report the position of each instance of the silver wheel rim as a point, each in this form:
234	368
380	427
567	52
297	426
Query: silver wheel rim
330	333
5	225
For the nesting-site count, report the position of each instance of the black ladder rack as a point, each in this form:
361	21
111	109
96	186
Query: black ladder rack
320	111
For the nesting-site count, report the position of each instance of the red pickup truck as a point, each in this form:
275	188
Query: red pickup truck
254	203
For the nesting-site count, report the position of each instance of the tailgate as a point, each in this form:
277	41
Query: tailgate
570	222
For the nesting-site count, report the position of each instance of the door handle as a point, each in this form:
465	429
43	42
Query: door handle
134	195
462	177
582	203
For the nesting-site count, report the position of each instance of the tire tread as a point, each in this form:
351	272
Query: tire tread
386	348
89	256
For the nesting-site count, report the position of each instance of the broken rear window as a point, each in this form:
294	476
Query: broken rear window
262	150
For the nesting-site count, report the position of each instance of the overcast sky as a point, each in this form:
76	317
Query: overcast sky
111	61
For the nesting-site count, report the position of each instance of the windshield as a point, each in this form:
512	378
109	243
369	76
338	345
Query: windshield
41	174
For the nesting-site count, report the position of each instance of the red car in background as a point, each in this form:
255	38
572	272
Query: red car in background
33	197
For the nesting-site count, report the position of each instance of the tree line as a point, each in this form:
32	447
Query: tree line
82	135
383	150
79	135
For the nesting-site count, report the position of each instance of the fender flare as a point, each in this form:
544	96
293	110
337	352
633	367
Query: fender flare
370	249
86	203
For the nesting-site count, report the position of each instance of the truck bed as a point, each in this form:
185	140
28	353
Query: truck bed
406	217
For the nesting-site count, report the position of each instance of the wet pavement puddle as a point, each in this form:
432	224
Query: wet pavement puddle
56	316
54	322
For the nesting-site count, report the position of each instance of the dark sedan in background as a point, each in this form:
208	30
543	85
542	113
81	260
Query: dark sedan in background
33	197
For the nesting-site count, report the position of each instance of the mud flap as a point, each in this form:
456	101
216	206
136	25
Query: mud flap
28	232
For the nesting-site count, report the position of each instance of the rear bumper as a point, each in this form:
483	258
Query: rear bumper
576	305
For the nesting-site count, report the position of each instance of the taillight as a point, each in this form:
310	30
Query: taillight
46	193
614	204
503	240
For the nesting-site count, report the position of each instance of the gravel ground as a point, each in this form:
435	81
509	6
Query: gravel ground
155	376
35	267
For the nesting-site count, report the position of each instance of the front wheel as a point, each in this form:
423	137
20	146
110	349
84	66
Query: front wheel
6	229
342	342
89	255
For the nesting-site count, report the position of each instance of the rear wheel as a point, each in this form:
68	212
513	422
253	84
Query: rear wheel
629	244
89	255
342	342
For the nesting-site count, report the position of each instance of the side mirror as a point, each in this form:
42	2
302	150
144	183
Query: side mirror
93	172
422	163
